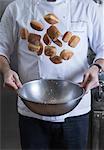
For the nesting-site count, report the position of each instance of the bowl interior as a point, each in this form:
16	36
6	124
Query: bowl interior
50	91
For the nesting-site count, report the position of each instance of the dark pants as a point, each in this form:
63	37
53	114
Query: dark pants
69	135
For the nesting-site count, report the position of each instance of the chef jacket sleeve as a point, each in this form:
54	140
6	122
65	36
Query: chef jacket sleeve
96	31
8	32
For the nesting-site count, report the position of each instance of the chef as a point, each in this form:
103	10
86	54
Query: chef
83	19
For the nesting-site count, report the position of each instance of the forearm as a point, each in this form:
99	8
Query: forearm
4	65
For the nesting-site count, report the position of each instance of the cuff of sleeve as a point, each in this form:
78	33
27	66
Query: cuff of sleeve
3	54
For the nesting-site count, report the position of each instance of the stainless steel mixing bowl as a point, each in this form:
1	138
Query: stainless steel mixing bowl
51	97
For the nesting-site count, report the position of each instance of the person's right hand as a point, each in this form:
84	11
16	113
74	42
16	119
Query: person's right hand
11	79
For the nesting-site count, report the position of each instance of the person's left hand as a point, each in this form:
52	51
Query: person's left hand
90	79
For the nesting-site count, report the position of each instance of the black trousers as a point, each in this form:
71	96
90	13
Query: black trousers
43	135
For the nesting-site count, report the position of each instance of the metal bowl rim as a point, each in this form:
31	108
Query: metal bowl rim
26	99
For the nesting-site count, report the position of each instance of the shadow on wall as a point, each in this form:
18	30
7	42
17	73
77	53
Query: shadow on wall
9	131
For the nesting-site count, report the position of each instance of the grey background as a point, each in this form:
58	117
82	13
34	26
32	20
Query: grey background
9	131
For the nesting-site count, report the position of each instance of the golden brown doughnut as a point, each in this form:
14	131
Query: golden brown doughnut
58	42
34	38
36	25
46	39
56	59
51	19
24	33
50	51
41	50
66	54
67	36
53	32
33	48
74	41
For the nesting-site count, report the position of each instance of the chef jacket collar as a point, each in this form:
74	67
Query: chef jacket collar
68	24
53	1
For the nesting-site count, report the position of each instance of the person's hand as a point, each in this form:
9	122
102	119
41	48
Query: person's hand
90	79
11	80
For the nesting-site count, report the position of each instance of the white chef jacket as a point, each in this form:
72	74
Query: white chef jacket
81	17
